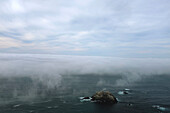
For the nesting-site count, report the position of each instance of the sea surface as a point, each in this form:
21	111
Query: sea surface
150	95
57	84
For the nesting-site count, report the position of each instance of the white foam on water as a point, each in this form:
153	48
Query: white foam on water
47	101
104	89
49	107
124	92
160	108
127	89
64	102
81	97
85	100
17	105
117	99
55	107
121	93
31	111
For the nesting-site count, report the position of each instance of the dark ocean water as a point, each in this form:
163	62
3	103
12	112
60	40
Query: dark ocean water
23	95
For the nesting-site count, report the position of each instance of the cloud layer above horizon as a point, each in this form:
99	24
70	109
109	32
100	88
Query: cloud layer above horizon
119	28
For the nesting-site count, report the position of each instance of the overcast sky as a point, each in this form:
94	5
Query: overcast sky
118	28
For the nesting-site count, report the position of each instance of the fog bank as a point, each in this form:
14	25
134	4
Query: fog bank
49	69
26	76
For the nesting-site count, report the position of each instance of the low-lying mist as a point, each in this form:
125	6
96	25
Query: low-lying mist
30	72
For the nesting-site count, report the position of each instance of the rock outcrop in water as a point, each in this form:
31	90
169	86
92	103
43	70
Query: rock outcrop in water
104	97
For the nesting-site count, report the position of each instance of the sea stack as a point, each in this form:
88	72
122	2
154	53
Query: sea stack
104	97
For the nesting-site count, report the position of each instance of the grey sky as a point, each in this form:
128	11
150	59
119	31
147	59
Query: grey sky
118	28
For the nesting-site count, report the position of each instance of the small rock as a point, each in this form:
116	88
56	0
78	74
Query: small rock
123	92
86	98
104	97
130	104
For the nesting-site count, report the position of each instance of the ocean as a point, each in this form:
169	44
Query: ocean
55	84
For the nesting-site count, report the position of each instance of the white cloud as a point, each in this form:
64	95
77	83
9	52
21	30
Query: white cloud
16	6
28	36
6	42
86	25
